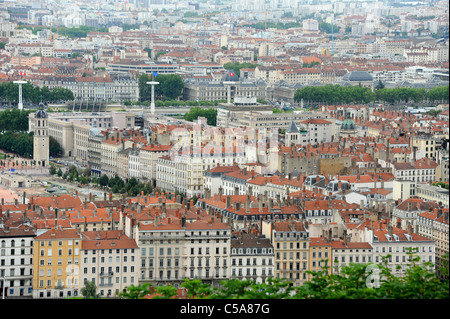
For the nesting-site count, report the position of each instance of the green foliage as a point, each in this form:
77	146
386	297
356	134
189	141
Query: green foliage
9	92
14	120
89	291
326	27
19	143
196	112
136	292
354	281
441	184
335	94
439	93
236	67
158	54
170	86
310	65
55	149
274	25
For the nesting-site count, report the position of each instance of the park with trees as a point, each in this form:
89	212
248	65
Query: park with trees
9	93
335	94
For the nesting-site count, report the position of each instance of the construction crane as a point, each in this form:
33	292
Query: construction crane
265	18
206	16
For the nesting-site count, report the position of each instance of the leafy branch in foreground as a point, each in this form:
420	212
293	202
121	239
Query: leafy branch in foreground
418	280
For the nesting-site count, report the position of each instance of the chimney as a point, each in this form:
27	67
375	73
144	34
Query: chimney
183	221
228	201
270	208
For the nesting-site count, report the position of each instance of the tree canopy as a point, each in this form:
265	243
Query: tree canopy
170	86
196	112
9	92
336	94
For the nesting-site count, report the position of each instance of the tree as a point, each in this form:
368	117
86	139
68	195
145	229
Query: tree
136	292
380	85
236	67
103	180
170	85
326	27
55	148
89	291
52	170
196	112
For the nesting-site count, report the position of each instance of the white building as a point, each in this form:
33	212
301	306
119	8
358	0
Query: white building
16	261
109	259
252	257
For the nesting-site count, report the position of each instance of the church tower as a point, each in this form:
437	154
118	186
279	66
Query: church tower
41	146
292	135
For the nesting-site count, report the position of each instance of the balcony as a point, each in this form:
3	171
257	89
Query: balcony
106	274
59	286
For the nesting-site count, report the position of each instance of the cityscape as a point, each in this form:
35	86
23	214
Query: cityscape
224	149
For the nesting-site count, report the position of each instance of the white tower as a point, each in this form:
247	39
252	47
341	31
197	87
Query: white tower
152	104
41	146
20	104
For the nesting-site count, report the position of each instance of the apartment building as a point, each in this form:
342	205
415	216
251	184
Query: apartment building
252	257
345	253
423	170
148	156
56	264
290	240
405	213
110	260
398	243
16	261
311	131
320	255
425	145
193	246
434	225
184	172
431	193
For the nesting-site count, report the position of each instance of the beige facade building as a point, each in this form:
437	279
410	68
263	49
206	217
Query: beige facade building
290	240
72	130
434	225
57	258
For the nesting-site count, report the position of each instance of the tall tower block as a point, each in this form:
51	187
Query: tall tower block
41	153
